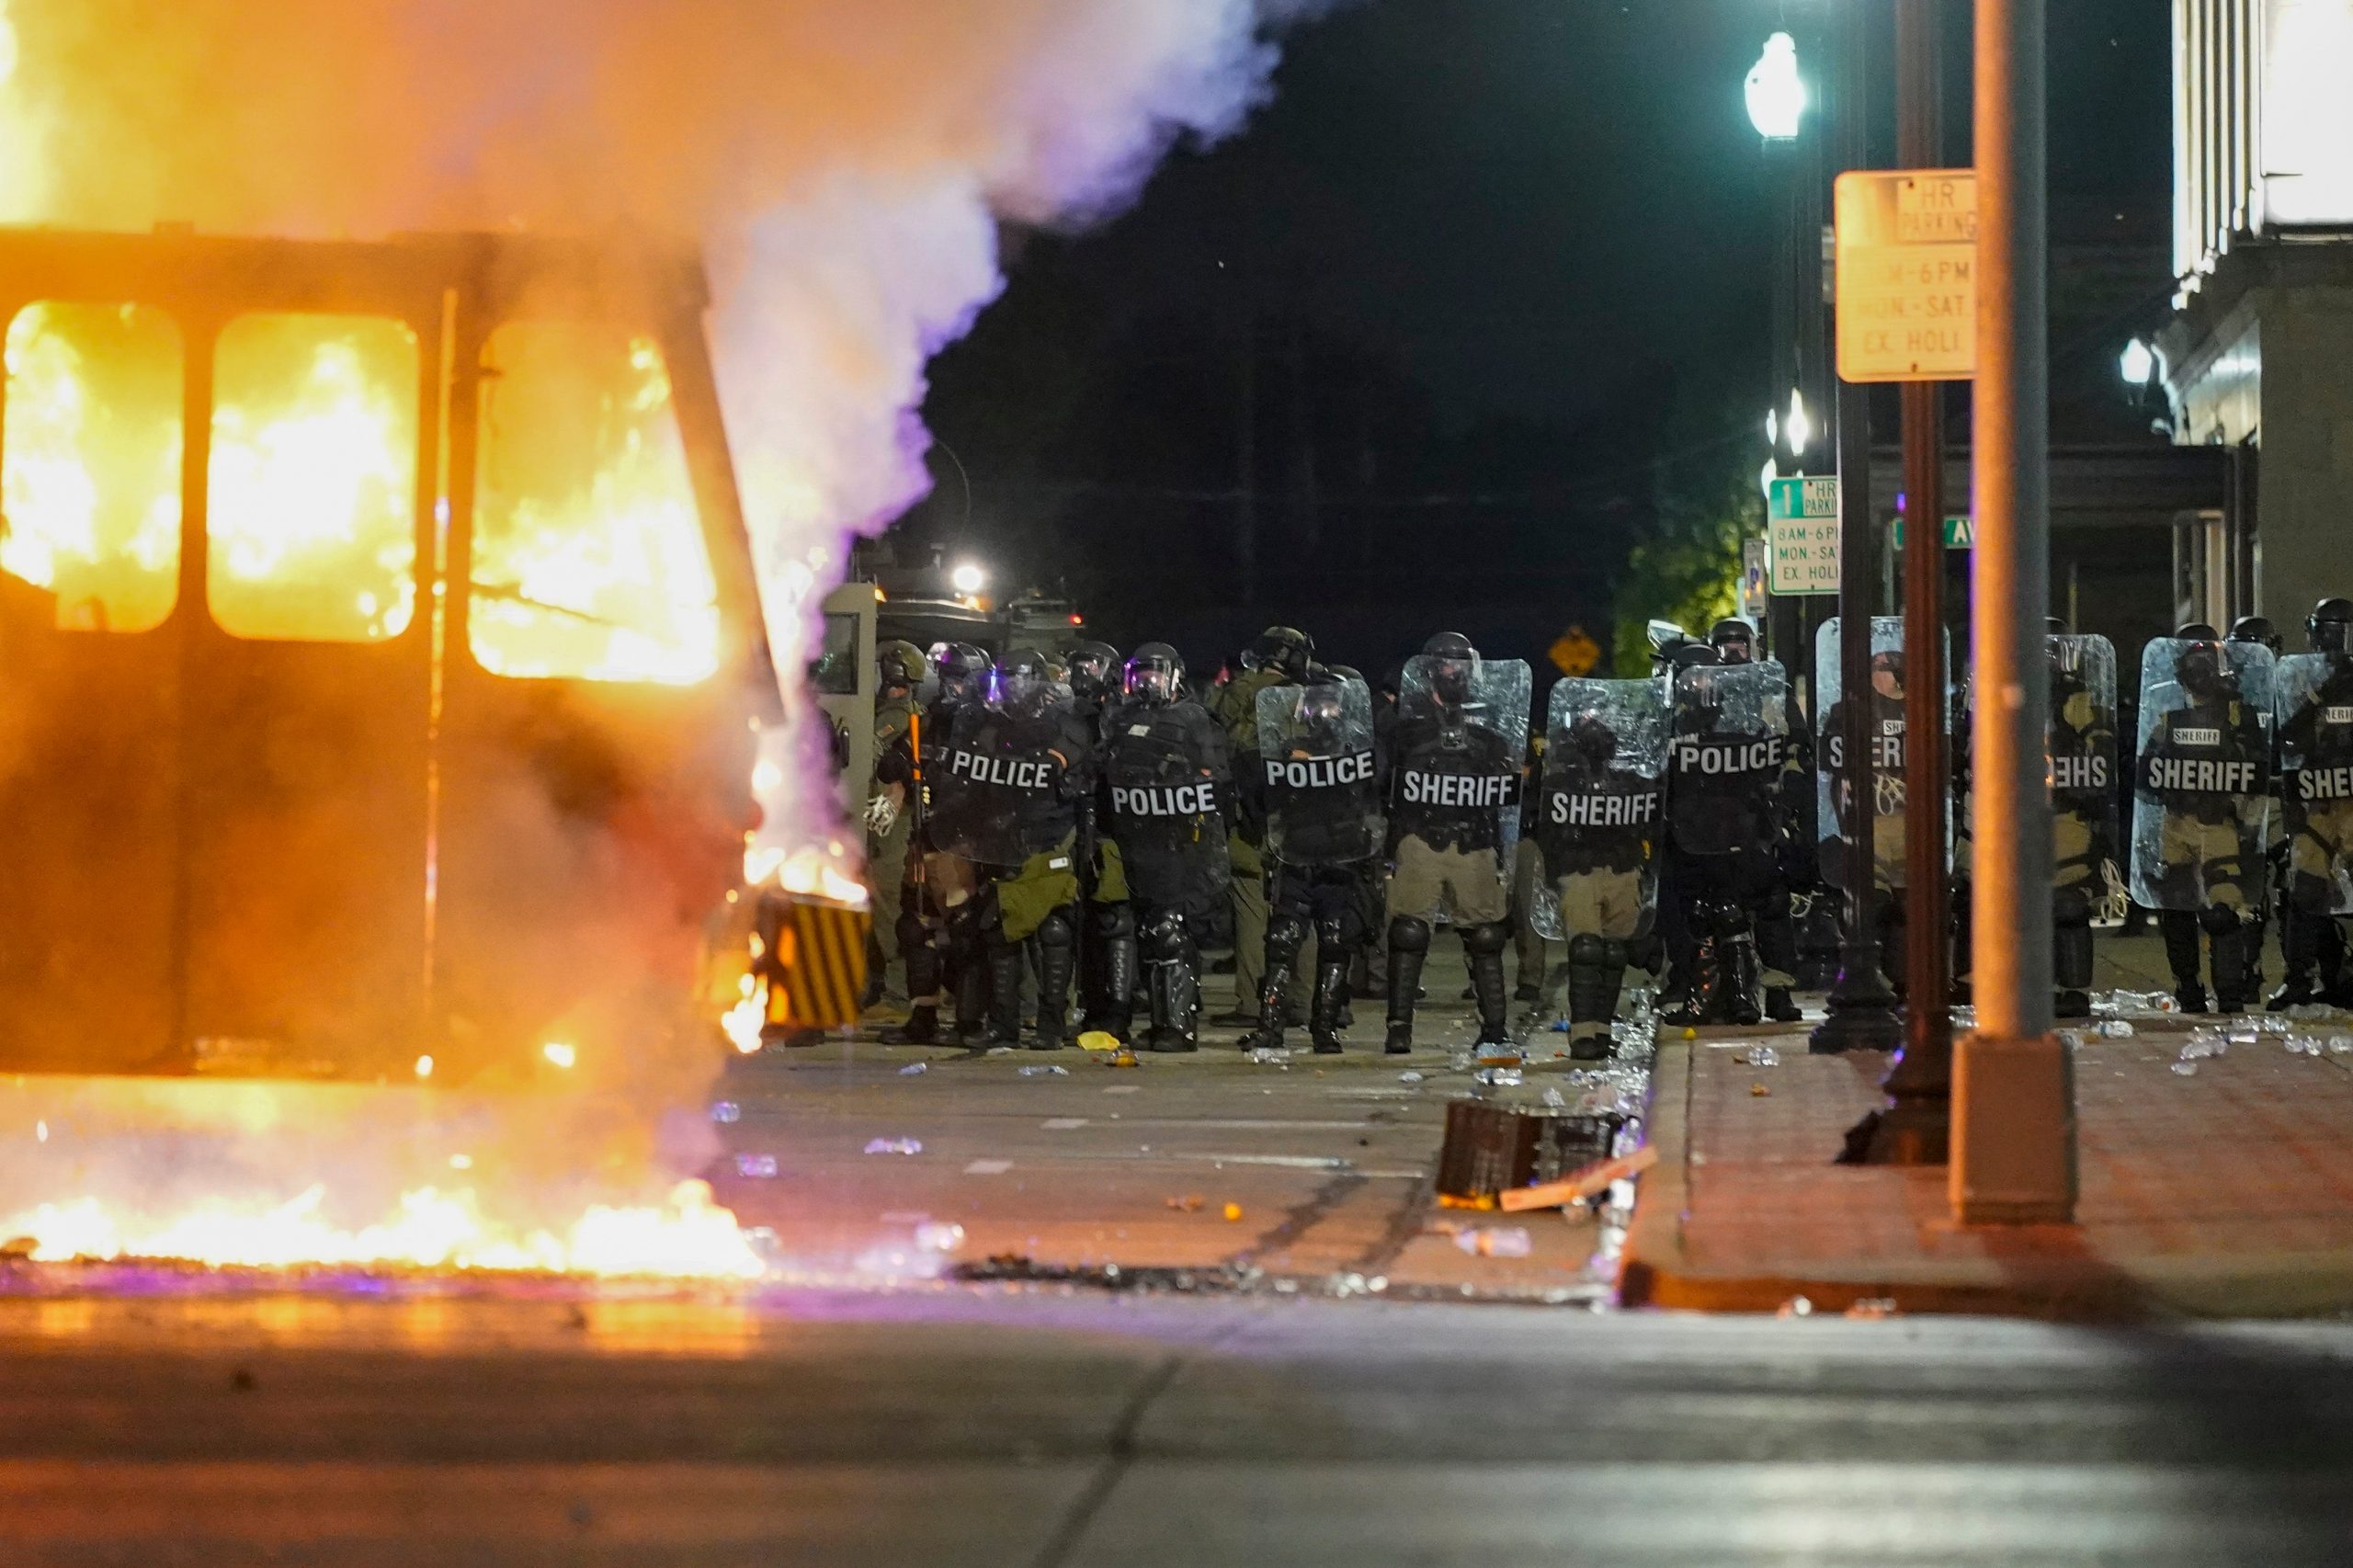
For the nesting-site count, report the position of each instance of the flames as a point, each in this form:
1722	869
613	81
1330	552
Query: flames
689	1237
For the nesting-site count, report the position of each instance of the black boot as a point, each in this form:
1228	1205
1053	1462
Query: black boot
922	1027
1008	963
1743	978
1780	1006
1285	935
1483	946
1595	978
2179	929
1331	1000
1176	991
1691	1007
1409	947
2071	954
2299	954
973	1002
1057	958
2227	949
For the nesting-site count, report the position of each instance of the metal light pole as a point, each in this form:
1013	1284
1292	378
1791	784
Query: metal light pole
2014	1123
1915	1128
1862	1008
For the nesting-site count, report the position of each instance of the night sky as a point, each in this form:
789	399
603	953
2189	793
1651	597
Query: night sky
1494	261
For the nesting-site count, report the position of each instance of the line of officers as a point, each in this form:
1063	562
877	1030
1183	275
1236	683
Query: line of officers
1097	827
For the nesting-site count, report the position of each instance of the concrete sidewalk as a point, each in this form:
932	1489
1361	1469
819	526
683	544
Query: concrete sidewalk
2227	1190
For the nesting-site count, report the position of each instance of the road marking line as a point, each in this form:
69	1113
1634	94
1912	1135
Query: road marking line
1286	1162
1123	1088
1245	1124
1062	1123
988	1168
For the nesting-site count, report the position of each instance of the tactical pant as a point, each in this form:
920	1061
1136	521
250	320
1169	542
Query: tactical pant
1249	898
1467	884
2319	854
2208	865
1604	903
886	870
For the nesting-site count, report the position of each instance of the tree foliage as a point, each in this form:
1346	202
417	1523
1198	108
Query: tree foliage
1688	568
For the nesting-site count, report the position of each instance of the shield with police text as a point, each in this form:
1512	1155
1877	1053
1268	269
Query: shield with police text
1002	788
1459	754
2203	782
1600	810
1320	776
2315	720
1166	780
1728	745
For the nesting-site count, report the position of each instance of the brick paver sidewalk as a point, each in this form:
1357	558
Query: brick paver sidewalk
2227	1191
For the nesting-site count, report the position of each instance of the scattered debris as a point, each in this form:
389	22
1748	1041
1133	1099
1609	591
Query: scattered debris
761	1166
726	1111
1042	1070
1761	1056
1758	1091
1409	1077
1872	1307
1122	1059
999	1051
1796	1307
1585	1183
1498	1077
2114	1029
1500	1241
894	1146
1188	1204
915	1069
1232	1212
1099	1039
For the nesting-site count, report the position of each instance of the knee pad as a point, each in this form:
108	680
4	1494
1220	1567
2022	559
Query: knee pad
1588	951
1336	934
1162	938
1057	929
2070	907
1408	934
1286	933
1112	922
1481	941
2220	921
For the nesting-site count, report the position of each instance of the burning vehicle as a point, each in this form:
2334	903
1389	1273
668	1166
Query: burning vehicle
381	664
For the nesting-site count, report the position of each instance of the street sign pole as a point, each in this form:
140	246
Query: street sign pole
2014	1118
1861	1007
1915	1128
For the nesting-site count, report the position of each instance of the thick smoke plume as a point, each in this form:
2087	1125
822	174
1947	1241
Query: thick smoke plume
846	162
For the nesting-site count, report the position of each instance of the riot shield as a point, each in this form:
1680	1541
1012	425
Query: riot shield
1601	810
999	786
1163	770
1726	748
1835	813
2316	720
1460	756
1322	783
2202	781
2081	745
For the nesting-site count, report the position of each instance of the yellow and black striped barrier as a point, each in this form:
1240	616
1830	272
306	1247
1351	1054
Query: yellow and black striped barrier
814	959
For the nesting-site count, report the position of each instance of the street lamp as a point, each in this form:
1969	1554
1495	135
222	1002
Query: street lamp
969	578
1776	91
2138	363
1800	424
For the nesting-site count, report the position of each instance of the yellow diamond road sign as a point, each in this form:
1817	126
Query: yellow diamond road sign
1576	652
1907	275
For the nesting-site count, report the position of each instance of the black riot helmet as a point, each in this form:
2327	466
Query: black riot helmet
1348	672
1733	639
1454	669
2196	631
2056	626
1285	649
2328	624
2204	669
2256	629
1592	741
961	667
1091	668
902	663
1022	684
1155	676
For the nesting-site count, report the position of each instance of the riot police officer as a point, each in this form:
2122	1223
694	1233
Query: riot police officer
902	669
1456	771
2316	793
1106	950
1016	779
1734	642
2203	802
1282	655
937	938
1167	792
2082	749
1321	789
1729	748
1599	816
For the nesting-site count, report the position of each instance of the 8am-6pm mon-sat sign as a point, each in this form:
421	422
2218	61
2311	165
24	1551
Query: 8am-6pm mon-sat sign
1803	514
1907	275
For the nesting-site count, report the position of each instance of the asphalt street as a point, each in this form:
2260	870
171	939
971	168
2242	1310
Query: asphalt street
1065	1428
